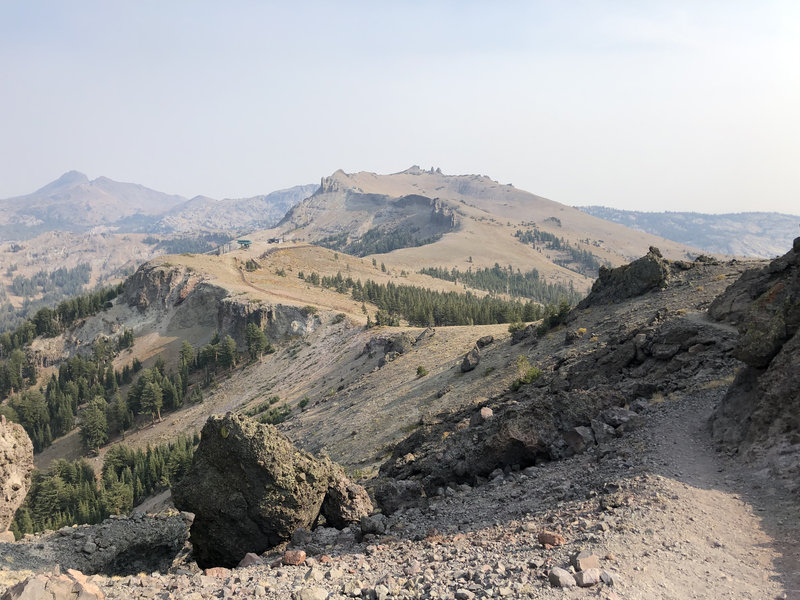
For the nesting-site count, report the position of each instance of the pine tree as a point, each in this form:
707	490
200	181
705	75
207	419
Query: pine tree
94	429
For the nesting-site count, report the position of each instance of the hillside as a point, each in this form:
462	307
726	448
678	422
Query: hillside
753	234
558	450
106	229
442	220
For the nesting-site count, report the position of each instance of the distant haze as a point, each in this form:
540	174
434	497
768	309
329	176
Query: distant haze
650	106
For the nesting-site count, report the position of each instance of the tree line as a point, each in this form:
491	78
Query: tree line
423	307
50	322
41	289
68	493
587	263
505	280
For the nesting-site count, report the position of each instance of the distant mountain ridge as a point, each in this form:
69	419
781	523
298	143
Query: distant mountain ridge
74	203
754	234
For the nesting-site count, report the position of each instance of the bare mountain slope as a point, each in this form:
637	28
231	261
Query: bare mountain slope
239	214
475	216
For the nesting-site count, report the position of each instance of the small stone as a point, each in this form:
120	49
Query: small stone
609	578
381	592
315	593
505	591
485	341
294	557
481	416
352	589
561	578
578	438
464	594
584	559
587	577
375	524
548	539
251	559
315	574
218	572
334	573
471	360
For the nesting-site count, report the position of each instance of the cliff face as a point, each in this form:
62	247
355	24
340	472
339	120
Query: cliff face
189	300
16	464
760	414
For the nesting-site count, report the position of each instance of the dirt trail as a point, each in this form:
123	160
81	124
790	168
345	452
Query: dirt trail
721	533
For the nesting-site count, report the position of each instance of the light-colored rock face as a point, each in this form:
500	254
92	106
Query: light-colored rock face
16	464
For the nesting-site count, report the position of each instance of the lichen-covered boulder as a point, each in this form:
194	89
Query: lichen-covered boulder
250	488
16	465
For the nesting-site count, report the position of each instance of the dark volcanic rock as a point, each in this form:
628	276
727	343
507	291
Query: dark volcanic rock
250	488
485	341
16	464
471	360
346	502
393	495
761	410
613	285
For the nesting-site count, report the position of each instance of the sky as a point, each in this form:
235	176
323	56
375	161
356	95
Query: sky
672	105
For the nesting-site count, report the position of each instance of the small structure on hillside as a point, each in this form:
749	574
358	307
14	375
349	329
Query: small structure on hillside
244	243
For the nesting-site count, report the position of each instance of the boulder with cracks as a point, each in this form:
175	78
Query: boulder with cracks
250	488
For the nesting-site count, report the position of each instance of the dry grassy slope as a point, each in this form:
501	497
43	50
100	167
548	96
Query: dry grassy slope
488	214
309	366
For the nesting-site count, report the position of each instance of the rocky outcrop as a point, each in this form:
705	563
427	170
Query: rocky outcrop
278	321
760	413
16	465
159	285
650	272
55	586
117	546
250	488
195	302
642	348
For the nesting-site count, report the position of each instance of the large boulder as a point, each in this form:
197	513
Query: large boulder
650	272
16	465
250	488
471	360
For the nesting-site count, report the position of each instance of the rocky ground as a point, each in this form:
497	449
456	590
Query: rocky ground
608	476
666	515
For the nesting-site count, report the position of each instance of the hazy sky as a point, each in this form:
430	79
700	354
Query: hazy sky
651	105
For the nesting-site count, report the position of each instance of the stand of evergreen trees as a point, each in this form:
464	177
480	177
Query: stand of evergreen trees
426	308
42	289
587	263
50	322
68	493
505	280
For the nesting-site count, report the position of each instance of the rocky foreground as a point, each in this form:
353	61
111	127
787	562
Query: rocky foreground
657	514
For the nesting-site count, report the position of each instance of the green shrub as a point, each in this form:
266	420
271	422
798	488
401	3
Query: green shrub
421	371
